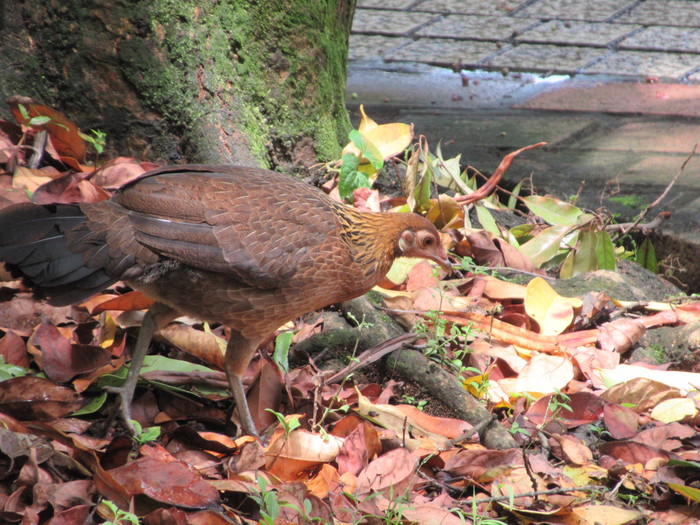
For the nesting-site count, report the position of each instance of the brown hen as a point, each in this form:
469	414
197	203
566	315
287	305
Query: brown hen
247	247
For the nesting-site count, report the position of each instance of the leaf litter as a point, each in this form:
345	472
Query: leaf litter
597	439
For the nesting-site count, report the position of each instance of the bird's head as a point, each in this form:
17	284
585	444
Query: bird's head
424	242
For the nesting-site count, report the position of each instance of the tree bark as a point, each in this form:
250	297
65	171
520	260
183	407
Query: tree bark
244	82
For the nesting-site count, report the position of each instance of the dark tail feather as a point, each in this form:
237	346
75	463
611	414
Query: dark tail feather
34	247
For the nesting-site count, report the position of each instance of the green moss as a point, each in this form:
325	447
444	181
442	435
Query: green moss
271	75
631	201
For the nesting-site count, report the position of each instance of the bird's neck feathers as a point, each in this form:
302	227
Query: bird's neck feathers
372	238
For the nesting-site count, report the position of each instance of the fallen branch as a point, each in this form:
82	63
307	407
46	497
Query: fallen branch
663	193
653	224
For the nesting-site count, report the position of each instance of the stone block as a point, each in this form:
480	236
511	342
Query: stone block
547	58
368	47
597	11
447	52
664	12
476	27
385	22
664	38
570	32
471	7
646	63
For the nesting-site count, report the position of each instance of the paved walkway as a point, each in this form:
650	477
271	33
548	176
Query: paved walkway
654	38
612	85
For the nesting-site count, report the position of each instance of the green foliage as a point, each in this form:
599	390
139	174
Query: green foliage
281	354
350	177
440	340
646	256
143	436
352	173
420	404
288	425
39	120
119	517
630	201
98	139
8	371
269	504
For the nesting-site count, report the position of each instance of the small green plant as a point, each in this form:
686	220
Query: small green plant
395	512
268	502
558	403
515	428
39	120
269	505
119	517
98	139
599	430
439	340
288	425
145	436
420	404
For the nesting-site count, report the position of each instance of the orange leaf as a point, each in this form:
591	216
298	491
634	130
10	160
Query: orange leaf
63	132
127	302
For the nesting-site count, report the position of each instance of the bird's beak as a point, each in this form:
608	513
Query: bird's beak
443	261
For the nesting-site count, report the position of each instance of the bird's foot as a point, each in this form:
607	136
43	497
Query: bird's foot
125	395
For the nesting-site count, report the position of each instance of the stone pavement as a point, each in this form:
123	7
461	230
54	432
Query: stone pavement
612	85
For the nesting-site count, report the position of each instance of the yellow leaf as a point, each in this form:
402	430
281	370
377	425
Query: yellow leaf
683	381
605	514
674	410
389	139
688	492
552	311
366	123
544	374
29	179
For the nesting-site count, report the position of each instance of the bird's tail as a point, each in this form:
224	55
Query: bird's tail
34	246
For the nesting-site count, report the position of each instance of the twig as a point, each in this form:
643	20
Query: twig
653	224
560	490
663	193
495	178
371	355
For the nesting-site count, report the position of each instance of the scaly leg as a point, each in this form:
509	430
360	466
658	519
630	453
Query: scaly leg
156	318
239	352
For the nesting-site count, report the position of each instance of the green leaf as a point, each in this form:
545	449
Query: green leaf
567	267
545	244
368	150
553	211
93	406
605	251
281	353
646	256
689	492
522	232
8	371
350	178
487	221
38	121
585	259
23	111
513	197
150	434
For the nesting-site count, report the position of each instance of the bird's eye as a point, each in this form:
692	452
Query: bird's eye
428	242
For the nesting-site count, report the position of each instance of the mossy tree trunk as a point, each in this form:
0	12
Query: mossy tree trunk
245	82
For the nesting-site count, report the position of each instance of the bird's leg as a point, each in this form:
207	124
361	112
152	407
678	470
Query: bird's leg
239	352
156	318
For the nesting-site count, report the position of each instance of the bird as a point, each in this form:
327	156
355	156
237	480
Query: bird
246	247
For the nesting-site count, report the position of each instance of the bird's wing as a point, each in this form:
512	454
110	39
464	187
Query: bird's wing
255	224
